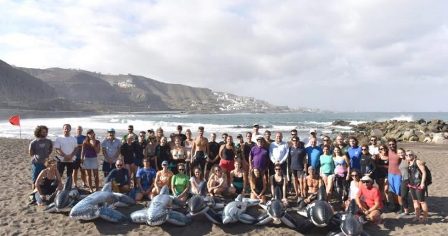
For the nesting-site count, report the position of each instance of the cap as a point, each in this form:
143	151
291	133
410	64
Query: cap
313	131
259	137
239	136
366	178
164	163
130	126
111	130
256	125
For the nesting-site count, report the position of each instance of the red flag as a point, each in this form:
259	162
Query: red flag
14	120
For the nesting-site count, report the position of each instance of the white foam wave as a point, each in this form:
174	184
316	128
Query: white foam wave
408	118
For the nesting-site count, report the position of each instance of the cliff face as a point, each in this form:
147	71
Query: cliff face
85	90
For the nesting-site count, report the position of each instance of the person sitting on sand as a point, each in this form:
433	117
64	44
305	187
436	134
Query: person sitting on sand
238	179
163	178
313	182
180	184
278	184
258	185
369	201
120	178
40	149
196	181
47	183
145	180
354	186
217	183
417	187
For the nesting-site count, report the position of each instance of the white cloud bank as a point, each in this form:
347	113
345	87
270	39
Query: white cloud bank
334	55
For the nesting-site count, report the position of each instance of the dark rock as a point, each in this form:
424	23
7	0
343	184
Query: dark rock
421	121
340	123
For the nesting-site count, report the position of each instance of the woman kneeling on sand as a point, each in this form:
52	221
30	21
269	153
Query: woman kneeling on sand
217	183
47	183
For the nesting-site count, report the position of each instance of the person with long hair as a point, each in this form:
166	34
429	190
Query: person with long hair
89	159
341	170
217	183
180	183
404	193
227	153
417	186
238	179
47	183
178	153
163	178
327	169
258	185
355	183
382	166
278	183
40	149
196	181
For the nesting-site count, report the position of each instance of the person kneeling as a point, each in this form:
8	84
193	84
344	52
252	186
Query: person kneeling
145	180
120	178
369	201
180	183
217	183
48	182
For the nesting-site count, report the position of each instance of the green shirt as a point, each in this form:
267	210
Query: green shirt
326	164
180	182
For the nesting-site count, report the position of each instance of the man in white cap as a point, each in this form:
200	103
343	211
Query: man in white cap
313	135
369	200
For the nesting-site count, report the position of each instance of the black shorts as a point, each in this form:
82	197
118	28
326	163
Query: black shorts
417	194
77	164
199	160
298	173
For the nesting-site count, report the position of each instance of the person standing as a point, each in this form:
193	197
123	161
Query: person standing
404	192
394	175
259	156
278	154
89	159
227	153
130	133
313	155
111	150
297	158
417	186
199	150
182	136
40	149
66	147
77	164
213	157
354	153
256	130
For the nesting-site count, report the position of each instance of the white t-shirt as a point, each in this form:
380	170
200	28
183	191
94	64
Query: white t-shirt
373	150
67	145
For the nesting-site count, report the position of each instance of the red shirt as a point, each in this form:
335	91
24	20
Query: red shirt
394	163
370	196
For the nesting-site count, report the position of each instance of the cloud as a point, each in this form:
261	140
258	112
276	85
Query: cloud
328	55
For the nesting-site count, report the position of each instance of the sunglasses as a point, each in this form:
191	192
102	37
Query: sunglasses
217	170
365	182
164	164
181	169
277	169
364	149
326	140
381	149
372	140
119	165
354	175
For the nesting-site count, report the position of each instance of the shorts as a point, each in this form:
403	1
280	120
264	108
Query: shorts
380	173
128	161
327	174
227	165
138	162
90	163
298	173
417	194
36	168
199	160
77	164
107	167
394	184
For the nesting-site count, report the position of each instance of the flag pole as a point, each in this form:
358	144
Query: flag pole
20	132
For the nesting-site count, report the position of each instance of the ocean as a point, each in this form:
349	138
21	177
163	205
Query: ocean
218	123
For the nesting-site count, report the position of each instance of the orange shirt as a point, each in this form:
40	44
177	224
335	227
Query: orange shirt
370	196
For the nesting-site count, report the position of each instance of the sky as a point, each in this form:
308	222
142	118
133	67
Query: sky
347	55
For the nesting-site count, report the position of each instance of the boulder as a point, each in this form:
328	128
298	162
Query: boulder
408	133
445	128
421	121
436	122
413	138
433	128
340	123
439	138
376	132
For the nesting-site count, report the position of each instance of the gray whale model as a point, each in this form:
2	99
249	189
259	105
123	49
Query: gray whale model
159	211
99	205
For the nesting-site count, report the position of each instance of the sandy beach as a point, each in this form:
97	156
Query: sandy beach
17	218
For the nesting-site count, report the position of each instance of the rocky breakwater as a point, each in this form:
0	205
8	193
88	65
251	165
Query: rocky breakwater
434	131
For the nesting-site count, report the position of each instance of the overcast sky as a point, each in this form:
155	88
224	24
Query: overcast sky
356	55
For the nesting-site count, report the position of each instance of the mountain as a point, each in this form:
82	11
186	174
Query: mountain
69	89
18	89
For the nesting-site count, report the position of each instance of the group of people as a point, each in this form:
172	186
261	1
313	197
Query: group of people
141	164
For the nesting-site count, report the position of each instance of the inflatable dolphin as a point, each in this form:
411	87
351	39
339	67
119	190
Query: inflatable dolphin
200	204
65	198
99	204
235	211
159	211
276	213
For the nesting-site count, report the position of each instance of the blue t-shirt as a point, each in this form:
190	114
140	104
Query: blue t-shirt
314	156
355	157
79	139
146	176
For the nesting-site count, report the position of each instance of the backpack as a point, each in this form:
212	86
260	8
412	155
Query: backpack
428	180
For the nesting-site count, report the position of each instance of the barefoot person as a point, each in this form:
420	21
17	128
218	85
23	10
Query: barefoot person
278	184
89	159
163	178
238	179
40	149
369	200
111	150
199	150
120	178
47	183
145	180
297	157
180	183
217	183
66	146
77	163
417	187
258	185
